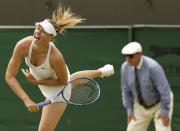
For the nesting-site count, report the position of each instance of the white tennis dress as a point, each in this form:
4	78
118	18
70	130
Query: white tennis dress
44	71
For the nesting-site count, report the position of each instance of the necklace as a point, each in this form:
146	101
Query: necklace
40	51
44	53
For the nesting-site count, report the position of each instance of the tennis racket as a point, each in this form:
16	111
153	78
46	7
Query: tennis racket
83	91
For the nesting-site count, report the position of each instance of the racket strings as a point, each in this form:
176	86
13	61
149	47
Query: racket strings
84	93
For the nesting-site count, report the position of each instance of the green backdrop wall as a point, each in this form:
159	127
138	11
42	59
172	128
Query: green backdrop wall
90	48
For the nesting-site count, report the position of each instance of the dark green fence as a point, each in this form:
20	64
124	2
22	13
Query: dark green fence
90	48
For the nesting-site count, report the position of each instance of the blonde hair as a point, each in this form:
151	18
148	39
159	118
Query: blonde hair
62	18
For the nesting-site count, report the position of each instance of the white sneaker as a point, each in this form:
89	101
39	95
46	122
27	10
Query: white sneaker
107	70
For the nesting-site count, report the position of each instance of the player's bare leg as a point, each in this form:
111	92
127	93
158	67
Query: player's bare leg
104	71
51	114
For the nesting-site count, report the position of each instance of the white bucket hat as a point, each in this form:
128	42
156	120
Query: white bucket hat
131	48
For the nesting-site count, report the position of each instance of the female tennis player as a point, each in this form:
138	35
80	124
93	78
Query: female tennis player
47	67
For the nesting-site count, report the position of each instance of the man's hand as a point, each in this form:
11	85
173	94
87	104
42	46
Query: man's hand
131	117
165	119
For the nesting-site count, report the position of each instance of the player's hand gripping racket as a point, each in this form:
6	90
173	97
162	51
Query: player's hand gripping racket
84	91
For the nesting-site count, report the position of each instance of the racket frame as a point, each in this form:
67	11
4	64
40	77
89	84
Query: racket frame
44	103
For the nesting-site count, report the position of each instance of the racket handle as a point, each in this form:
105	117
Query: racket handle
44	103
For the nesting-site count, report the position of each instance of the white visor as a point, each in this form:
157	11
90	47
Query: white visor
48	27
